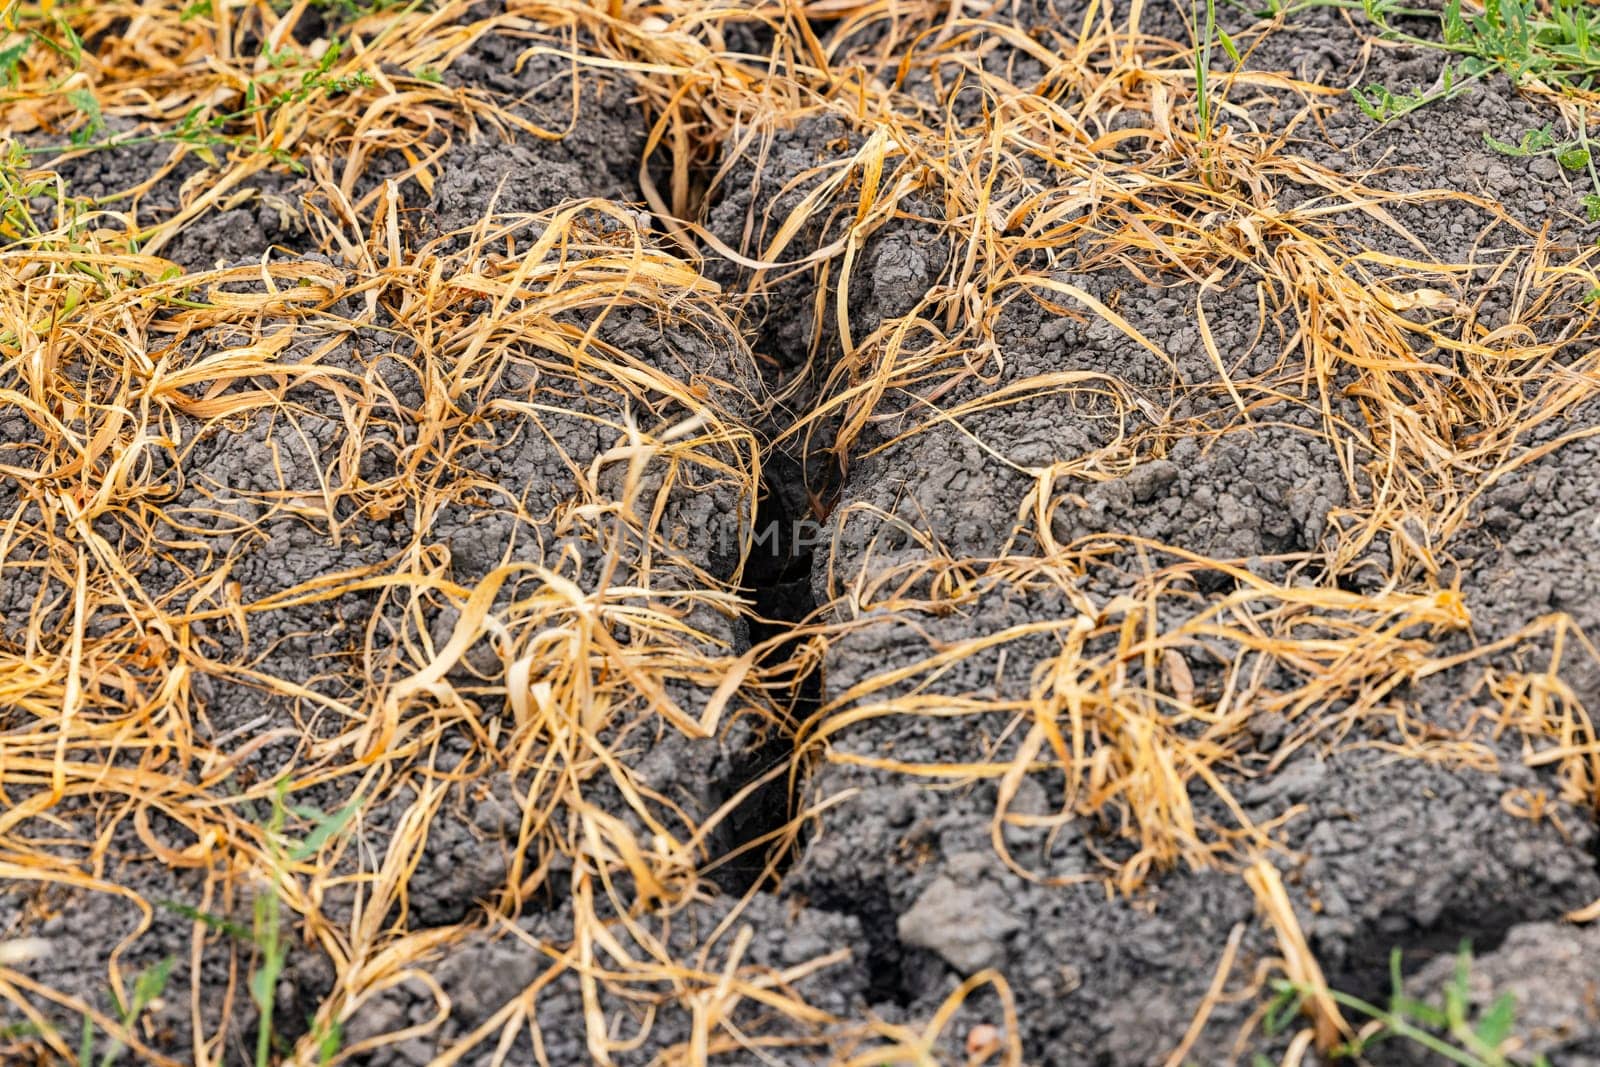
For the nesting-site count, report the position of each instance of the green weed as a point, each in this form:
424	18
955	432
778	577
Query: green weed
265	932
1554	46
1208	34
20	36
1383	105
290	81
329	1040
1573	155
1447	1028
266	925
17	194
20	1031
148	986
1290	8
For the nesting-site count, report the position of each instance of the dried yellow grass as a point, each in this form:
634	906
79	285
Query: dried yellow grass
90	321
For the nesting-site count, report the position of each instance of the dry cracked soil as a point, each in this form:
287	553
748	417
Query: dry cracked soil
832	533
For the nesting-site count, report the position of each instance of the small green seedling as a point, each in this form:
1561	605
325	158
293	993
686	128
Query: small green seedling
329	1040
266	919
1381	104
1554	45
148	986
1573	155
1447	1028
1208	34
1542	142
265	933
291	79
11	59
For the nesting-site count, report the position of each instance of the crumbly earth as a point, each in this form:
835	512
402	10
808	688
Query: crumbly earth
1383	853
1145	501
344	468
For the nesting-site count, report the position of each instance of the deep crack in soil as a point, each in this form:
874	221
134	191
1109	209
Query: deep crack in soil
777	586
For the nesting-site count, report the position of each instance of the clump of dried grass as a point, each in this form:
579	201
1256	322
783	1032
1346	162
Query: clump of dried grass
101	690
1115	715
1038	178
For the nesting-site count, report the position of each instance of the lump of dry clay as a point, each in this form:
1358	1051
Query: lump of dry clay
961	916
